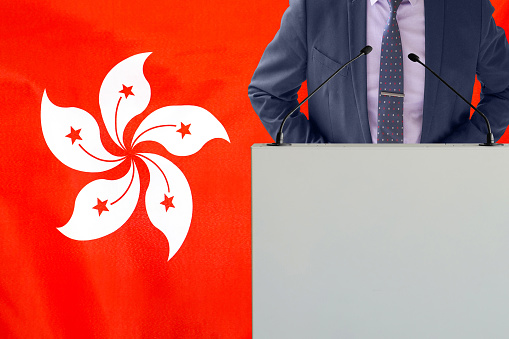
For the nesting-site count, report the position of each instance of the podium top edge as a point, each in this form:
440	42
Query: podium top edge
373	146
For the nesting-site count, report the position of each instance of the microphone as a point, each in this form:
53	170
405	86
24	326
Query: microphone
279	138
490	140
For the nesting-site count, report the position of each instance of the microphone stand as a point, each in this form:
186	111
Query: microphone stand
490	140
279	138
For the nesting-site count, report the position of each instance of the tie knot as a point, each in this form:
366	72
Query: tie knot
394	4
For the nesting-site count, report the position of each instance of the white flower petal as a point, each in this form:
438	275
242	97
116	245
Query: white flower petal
117	107
103	206
174	217
182	130
82	149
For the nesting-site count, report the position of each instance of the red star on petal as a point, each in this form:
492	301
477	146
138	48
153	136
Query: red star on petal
101	206
127	91
184	129
74	135
168	202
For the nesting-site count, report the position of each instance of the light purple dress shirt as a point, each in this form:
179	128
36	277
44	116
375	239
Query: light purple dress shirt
410	18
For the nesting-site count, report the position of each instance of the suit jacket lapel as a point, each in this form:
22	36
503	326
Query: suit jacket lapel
357	40
434	16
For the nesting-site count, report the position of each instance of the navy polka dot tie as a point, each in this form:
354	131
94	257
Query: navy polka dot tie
390	95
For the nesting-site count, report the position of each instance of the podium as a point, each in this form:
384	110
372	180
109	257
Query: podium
380	241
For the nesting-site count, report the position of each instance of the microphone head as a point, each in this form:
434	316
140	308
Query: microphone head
366	50
413	57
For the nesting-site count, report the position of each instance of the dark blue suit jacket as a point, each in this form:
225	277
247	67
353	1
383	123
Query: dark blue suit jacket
317	36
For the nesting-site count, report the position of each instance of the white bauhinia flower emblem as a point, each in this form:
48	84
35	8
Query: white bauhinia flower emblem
103	206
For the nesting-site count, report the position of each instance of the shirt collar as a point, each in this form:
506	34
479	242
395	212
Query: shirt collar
413	2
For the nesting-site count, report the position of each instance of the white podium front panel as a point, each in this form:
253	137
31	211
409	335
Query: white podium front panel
374	241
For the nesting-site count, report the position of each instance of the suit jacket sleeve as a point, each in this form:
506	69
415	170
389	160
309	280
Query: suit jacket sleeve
279	76
493	74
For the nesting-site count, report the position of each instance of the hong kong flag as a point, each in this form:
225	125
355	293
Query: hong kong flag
125	139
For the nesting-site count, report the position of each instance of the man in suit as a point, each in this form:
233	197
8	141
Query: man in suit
456	38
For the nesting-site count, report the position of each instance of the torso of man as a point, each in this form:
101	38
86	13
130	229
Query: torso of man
317	37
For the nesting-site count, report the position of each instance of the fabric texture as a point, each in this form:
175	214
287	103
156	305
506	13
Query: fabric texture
411	22
390	94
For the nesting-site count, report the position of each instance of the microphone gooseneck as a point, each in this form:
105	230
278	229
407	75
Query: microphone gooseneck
279	138
490	140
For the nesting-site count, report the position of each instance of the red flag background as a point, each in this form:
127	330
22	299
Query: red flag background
121	285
